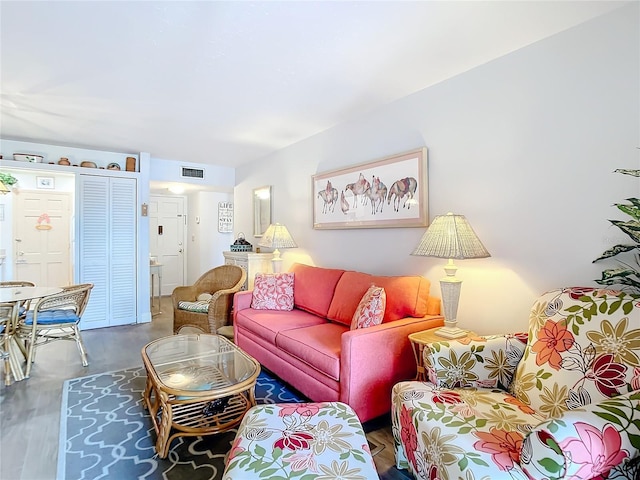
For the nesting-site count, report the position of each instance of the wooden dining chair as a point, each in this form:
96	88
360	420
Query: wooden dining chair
55	317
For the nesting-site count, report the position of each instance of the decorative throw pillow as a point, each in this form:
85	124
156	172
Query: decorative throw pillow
273	291
204	297
370	310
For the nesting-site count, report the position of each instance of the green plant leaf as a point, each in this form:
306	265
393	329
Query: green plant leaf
630	210
631	228
624	171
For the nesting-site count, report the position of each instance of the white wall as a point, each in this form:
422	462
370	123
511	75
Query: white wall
523	146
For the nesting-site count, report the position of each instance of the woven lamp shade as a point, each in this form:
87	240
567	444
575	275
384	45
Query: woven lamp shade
277	236
450	236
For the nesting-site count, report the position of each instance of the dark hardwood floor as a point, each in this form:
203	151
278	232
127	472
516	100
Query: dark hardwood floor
30	410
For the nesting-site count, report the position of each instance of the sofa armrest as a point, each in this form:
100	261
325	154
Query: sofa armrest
241	301
374	359
481	362
586	442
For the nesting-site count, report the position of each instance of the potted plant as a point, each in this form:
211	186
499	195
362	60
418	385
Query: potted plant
627	275
6	180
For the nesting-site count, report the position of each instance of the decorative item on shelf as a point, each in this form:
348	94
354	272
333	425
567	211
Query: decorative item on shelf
28	157
450	236
241	245
277	236
64	161
113	166
87	164
131	164
6	181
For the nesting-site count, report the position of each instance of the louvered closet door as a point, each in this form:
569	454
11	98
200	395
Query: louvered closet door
107	246
122	251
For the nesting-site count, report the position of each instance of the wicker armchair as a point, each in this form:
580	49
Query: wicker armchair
221	283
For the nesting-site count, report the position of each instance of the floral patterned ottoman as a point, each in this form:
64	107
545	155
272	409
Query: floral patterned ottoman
306	440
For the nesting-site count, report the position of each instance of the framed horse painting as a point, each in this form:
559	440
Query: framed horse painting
390	192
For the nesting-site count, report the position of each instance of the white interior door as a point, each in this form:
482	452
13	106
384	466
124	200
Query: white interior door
167	239
42	238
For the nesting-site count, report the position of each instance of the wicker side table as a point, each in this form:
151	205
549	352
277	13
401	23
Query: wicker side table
420	339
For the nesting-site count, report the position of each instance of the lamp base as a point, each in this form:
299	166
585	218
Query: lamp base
451	332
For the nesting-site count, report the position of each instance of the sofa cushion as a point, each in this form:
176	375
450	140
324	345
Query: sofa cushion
407	296
315	287
273	291
267	323
370	310
317	346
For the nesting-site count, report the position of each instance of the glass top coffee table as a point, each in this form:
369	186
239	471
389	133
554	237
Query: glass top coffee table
197	384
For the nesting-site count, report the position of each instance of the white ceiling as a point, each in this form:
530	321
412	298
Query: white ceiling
229	82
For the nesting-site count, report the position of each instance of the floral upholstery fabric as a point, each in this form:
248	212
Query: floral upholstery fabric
485	362
569	411
370	310
273	291
309	441
587	441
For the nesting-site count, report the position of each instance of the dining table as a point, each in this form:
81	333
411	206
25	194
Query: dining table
15	296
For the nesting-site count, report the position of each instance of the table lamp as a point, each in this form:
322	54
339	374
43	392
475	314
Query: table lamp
450	236
277	236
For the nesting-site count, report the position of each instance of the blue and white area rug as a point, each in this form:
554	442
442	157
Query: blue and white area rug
105	433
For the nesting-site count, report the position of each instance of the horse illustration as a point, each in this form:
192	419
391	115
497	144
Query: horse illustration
405	187
377	194
344	205
359	188
330	198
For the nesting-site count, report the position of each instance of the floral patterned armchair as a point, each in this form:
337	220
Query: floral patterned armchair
560	402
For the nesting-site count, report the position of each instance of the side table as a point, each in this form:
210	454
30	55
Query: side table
420	339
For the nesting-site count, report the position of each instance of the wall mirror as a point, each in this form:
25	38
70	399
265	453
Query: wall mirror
261	210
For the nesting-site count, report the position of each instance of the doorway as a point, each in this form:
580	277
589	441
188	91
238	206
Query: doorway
167	230
42	246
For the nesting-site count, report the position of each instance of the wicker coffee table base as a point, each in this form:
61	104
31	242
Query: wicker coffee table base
214	411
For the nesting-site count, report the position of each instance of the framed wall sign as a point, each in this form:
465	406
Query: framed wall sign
390	192
225	217
46	182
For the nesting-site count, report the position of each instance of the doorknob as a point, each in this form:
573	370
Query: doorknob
179	250
18	239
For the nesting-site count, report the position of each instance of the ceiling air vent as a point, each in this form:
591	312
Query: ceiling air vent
192	172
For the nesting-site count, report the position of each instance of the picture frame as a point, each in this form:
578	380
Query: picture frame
385	193
46	182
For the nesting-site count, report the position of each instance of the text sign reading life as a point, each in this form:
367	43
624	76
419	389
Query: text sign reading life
225	217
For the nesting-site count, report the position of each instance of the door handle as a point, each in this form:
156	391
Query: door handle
179	250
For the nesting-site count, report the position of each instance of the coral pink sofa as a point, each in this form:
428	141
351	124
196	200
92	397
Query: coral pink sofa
313	349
